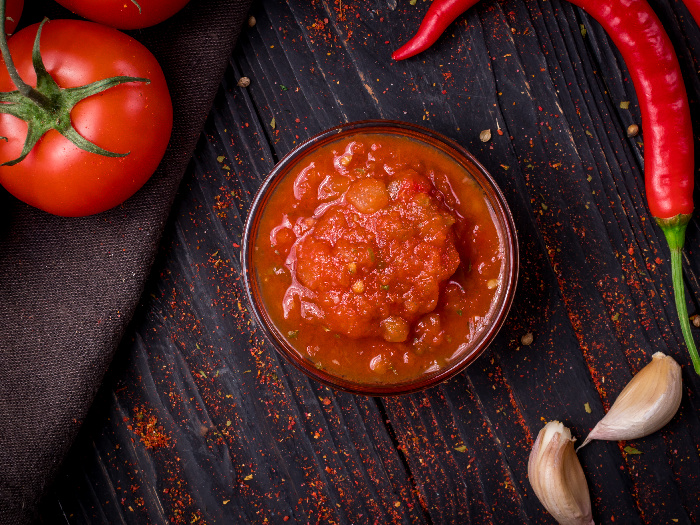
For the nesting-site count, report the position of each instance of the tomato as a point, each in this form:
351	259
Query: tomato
13	10
134	118
125	14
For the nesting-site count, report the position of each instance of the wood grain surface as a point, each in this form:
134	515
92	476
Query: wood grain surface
200	421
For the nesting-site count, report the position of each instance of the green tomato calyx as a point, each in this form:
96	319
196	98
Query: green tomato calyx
48	106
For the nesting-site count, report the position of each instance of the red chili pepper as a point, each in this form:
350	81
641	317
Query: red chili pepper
694	8
639	35
441	14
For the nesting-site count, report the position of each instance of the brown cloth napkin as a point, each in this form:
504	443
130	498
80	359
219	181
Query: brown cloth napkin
68	287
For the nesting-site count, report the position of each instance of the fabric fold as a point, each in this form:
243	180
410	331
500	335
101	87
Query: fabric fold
69	286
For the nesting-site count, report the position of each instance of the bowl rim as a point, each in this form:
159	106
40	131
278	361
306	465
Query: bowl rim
494	196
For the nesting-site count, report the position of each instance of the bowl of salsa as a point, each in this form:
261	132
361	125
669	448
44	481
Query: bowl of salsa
380	257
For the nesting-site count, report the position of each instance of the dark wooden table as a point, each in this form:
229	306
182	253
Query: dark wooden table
200	421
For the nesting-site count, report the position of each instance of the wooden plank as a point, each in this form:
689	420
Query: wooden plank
247	438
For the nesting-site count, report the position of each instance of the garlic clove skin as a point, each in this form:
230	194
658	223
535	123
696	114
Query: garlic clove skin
557	478
647	403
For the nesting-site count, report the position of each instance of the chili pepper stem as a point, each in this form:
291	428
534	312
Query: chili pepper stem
674	230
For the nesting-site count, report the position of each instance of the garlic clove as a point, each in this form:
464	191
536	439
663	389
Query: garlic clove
557	478
647	403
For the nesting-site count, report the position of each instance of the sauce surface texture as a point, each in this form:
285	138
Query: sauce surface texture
378	258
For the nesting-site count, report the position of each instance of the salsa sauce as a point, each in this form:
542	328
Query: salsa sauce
378	258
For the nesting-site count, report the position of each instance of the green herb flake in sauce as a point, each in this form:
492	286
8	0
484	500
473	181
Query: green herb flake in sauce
292	334
631	450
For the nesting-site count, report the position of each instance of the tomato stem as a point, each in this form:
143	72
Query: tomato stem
674	230
24	88
48	106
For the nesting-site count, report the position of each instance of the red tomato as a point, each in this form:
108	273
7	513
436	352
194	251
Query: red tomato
13	10
125	14
136	117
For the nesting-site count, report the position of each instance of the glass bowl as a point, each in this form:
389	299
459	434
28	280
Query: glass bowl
254	258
